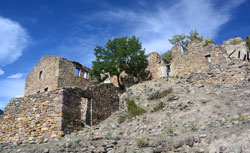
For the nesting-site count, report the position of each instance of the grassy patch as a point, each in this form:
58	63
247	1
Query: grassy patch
141	142
109	136
159	95
235	42
169	130
133	109
122	119
194	127
158	107
207	42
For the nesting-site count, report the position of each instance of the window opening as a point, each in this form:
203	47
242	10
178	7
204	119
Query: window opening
86	75
46	89
77	72
208	57
239	54
40	75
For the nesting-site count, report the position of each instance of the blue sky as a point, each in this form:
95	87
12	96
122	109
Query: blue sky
30	29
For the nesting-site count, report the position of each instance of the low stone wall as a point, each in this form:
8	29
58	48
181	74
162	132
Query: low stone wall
32	119
226	72
44	116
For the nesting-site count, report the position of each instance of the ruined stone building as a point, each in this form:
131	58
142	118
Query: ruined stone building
60	97
213	64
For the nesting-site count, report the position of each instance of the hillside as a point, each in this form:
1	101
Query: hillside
190	118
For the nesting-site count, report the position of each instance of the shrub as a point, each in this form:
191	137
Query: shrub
167	57
235	42
158	107
158	95
133	109
169	130
109	136
121	119
141	142
208	42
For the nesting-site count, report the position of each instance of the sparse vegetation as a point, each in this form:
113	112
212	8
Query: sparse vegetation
207	42
141	142
109	136
167	57
133	110
159	95
183	40
122	119
158	107
194	127
169	130
235	42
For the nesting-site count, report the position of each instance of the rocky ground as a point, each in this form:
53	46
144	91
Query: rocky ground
189	118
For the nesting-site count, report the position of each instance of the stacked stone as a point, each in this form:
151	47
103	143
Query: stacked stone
105	100
32	119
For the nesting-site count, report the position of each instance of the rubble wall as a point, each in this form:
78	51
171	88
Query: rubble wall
197	59
156	66
104	101
67	75
35	118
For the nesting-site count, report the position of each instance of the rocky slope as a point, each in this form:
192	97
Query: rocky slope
187	118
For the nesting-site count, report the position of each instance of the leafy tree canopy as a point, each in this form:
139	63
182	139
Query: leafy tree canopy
118	55
183	40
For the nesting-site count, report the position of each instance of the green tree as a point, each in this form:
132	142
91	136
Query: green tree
167	57
183	40
120	54
248	42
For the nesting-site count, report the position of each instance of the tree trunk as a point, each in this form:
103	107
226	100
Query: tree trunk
119	83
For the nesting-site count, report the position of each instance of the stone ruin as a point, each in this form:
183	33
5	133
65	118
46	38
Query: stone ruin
212	64
60	97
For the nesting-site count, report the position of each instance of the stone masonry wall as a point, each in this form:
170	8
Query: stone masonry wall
104	100
44	116
43	75
68	78
156	66
54	72
33	119
197	59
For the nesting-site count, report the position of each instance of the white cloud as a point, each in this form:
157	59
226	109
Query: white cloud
15	76
155	26
1	72
13	40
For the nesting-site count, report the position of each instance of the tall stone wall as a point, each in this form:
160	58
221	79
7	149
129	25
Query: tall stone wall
68	77
43	75
35	118
156	66
54	72
105	100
